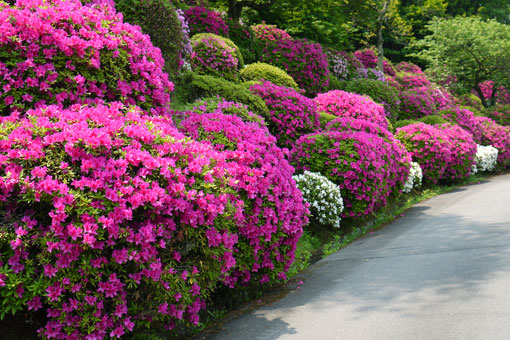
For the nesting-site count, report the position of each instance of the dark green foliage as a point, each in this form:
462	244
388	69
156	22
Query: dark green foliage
379	92
159	20
191	87
335	83
244	38
432	120
405	122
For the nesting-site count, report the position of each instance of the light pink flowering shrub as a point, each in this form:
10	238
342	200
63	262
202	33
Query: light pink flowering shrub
445	152
216	56
407	80
291	114
408	68
203	20
272	216
112	219
60	52
268	33
365	166
345	104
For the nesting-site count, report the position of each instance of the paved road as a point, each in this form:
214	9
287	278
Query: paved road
440	272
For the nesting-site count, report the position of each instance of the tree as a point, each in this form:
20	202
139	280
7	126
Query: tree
470	49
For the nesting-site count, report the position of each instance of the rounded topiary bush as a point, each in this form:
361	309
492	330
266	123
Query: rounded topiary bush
445	153
215	55
305	62
291	115
244	37
263	71
433	120
416	103
52	57
193	86
345	104
112	219
380	92
160	20
362	164
270	33
404	122
221	105
203	20
272	216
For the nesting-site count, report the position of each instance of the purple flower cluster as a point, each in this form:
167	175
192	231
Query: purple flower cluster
273	214
371	73
360	158
343	65
345	104
187	46
203	20
369	59
291	114
445	152
64	53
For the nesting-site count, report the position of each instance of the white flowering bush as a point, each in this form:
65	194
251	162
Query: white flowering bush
326	203
414	179
486	159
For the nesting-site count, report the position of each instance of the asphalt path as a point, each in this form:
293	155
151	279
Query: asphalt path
442	271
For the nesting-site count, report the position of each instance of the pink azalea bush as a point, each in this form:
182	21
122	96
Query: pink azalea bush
203	20
368	58
291	114
409	68
365	166
305	62
214	55
417	102
268	33
60	52
407	80
113	205
273	214
502	95
444	152
345	104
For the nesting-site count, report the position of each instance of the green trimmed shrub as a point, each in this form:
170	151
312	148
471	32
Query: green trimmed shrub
335	83
405	122
275	75
215	55
244	37
380	92
325	118
192	86
158	19
218	104
432	120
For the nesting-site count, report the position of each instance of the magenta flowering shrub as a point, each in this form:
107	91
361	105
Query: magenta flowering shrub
305	62
203	20
345	104
407	80
60	52
270	33
408	68
365	167
368	58
214	55
112	220
417	102
272	216
291	115
502	95
445	152
500	114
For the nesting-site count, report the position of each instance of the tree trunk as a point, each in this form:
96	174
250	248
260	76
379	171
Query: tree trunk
234	10
380	47
482	97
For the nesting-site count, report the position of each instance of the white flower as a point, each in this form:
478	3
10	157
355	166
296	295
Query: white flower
414	179
324	196
486	159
